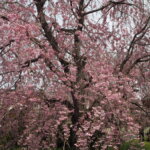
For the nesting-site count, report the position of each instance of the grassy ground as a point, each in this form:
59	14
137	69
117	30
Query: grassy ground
131	145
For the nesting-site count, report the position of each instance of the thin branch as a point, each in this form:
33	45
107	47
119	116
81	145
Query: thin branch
139	60
139	106
108	4
28	62
96	10
8	44
87	4
4	18
7	72
68	30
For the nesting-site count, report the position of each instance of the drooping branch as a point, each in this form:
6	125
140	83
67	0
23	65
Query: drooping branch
137	37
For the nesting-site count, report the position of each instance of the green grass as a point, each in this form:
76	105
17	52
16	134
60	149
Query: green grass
133	144
147	145
136	144
126	146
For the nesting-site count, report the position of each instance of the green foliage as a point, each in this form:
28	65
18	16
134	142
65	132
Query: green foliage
147	134
109	148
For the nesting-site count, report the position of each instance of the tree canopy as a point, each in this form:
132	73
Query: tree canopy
74	74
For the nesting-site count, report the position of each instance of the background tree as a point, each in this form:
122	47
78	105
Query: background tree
73	67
